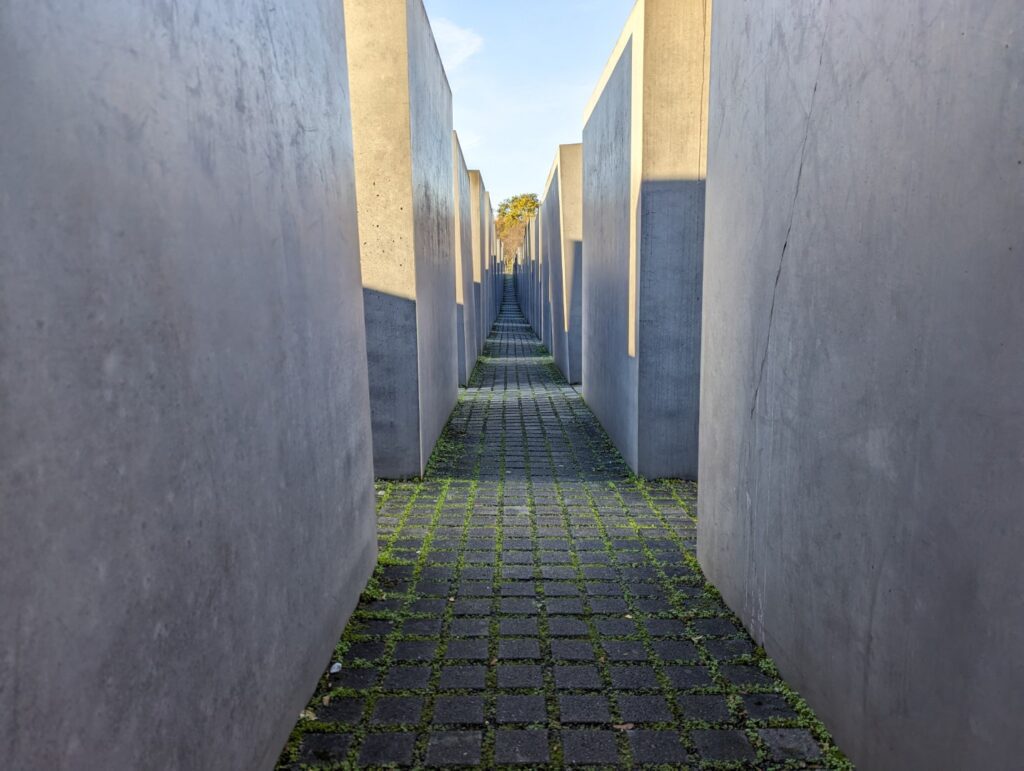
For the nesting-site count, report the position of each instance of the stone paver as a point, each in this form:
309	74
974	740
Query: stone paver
537	606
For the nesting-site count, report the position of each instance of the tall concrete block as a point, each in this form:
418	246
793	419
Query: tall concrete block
476	198
185	463
861	422
545	281
644	158
485	229
562	211
402	128
529	277
466	323
537	244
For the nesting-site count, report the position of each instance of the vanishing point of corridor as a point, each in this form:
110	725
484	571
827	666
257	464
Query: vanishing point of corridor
537	605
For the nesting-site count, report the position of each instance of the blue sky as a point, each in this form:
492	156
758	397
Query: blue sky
521	73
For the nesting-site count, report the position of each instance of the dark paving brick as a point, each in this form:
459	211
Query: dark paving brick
648	746
589	746
633	677
561	626
729	648
514	606
521	709
564	605
743	674
652	605
470	627
468	710
407	678
454	748
376	627
382	749
473	650
572	650
615	627
414	650
396	710
644	709
766	706
718	627
665	627
583	709
723	745
684	677
324	748
711	708
577	676
472	607
356	678
422	627
521	746
518	626
514	648
365	651
675	650
428	607
625	650
470	676
608	605
790	744
340	709
520	676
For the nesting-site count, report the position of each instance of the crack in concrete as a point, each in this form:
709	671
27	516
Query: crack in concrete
792	213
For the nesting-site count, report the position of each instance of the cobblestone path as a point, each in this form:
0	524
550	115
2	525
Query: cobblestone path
536	605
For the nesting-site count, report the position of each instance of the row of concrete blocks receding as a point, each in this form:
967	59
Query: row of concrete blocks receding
186	390
815	226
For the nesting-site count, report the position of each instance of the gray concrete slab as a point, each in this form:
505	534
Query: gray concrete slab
861	422
401	126
644	163
562	211
477	202
466	323
187	492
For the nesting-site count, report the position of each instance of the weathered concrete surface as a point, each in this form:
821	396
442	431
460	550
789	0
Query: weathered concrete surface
644	160
861	420
401	126
562	212
187	497
485	230
466	323
476	198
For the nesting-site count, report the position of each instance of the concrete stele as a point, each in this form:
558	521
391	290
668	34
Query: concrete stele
562	211
466	323
644	165
861	421
476	197
188	507
402	128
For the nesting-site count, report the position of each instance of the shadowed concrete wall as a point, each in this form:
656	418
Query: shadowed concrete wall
644	144
549	211
465	307
476	198
485	229
185	464
861	425
401	126
561	210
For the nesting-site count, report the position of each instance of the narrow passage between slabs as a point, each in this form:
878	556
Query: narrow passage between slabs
536	604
